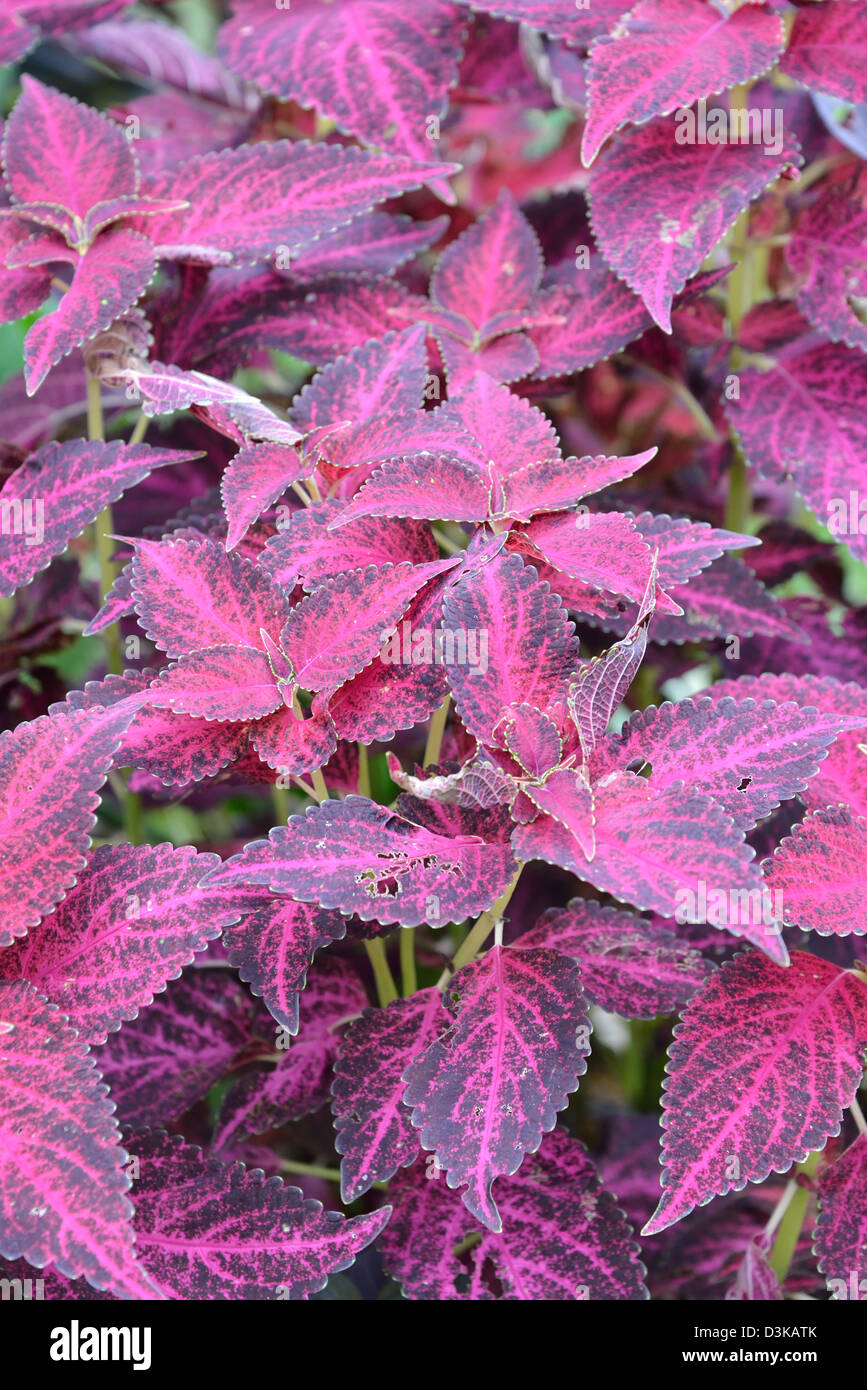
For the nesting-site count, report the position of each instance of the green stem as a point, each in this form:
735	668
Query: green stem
132	818
363	772
792	1220
103	528
319	786
312	1170
435	733
386	989
408	972
280	801
141	428
480	931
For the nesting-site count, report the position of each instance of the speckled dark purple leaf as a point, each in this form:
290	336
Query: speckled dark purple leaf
306	550
820	871
51	771
375	1135
226	683
272	947
827	49
211	1230
494	268
827	253
484	1093
373	380
628	965
63	1180
563	1236
256	477
840	1238
763	1064
360	857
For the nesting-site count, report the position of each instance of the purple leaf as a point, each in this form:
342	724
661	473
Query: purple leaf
256	477
438	489
71	482
628	965
190	594
380	70
360	857
133	921
374	1132
562	19
656	231
532	738
108	278
687	547
486	1091
305	550
819	873
840	1239
763	1064
827	49
211	1230
272	947
376	243
165	1060
563	1236
666	54
749	756
231	683
755	1281
529	644
63	1167
247	202
294	745
826	251
599	548
51	771
165	389
493	269
566	797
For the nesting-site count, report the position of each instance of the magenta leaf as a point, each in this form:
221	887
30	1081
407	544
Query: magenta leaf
375	1135
374	243
163	389
599	548
108	278
755	1281
599	687
827	49
180	1046
668	53
247	202
63	1168
231	683
190	594
293	744
486	1091
530	650
324	654
763	1064
360	857
748	756
687	547
444	489
256	477
133	921
805	417
567	797
21	291
819	873
305	551
562	19
272	947
381	70
212	1230
66	486
532	738
628	965
827	252
492	270
563	1237
56	150
840	1239
51	771
300	1081
655	232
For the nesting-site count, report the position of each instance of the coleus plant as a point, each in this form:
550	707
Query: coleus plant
420	408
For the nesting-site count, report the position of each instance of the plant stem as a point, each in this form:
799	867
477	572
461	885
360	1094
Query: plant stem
319	786
386	989
408	973
103	528
141	428
363	771
313	1170
479	932
435	733
280	800
448	545
792	1220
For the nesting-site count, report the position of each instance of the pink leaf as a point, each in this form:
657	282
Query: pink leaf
51	771
494	268
256	477
668	53
230	409
827	49
211	1230
305	549
381	70
374	1132
827	251
67	486
63	1175
656	231
562	19
486	1091
763	1064
599	548
567	798
820	873
133	921
840	1238
360	857
293	745
272	947
231	683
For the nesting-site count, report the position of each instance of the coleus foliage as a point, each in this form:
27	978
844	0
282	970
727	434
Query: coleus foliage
431	636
